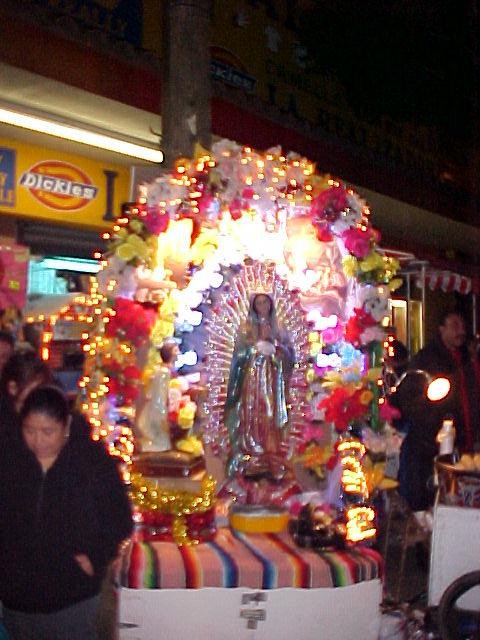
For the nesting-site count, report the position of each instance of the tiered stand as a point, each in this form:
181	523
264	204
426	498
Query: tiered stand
174	301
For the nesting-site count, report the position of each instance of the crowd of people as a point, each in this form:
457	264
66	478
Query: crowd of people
65	509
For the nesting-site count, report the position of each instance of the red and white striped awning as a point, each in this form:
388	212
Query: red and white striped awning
446	281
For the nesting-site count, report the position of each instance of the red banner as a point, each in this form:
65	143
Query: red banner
13	276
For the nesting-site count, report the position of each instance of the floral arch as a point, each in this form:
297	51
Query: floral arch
196	234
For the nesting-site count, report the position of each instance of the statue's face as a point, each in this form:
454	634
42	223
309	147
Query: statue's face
262	305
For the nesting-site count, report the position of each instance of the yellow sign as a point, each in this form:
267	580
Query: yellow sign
60	187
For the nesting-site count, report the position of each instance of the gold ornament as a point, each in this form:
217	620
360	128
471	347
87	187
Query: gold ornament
147	496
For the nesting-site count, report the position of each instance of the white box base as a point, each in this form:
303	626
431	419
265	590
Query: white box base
218	614
455	551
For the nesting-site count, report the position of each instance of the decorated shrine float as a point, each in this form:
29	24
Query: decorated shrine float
240	328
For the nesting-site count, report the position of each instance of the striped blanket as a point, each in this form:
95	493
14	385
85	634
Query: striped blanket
257	561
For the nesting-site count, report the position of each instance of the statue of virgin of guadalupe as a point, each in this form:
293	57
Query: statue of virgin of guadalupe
256	414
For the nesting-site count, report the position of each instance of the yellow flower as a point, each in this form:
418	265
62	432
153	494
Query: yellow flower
134	247
366	397
394	284
393	264
373	261
374	374
350	266
186	415
315	349
167	308
183	423
192	445
374	473
121	234
164	328
314	457
332	379
178	383
205	245
319	183
135	225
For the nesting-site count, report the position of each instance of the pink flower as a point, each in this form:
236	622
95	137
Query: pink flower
312	432
332	334
156	222
330	203
358	242
388	413
372	333
236	208
248	193
323	232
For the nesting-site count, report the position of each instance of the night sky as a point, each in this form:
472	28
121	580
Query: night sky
412	60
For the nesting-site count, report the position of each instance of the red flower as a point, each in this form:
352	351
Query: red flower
236	208
332	461
131	321
132	371
329	204
129	393
359	242
156	222
356	325
343	407
113	386
124	390
248	193
388	413
323	231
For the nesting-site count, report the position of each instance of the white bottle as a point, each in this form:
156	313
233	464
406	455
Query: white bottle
446	437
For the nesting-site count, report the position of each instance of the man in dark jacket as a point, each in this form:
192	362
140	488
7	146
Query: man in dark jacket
446	356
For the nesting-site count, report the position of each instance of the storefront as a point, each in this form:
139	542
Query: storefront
57	204
54	205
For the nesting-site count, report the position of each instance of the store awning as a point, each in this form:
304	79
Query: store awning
446	281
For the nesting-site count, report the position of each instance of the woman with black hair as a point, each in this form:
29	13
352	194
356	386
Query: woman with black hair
21	374
64	513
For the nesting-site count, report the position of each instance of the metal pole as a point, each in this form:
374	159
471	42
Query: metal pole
474	314
422	332
409	318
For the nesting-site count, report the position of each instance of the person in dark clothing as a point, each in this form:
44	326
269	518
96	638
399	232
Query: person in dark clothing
7	346
447	356
22	373
64	512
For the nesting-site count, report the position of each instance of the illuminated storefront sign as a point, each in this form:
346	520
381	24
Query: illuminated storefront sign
60	187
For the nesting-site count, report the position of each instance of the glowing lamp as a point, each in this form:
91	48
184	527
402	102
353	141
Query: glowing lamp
438	387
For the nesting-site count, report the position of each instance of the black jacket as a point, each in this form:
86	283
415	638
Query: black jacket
438	361
79	505
425	418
